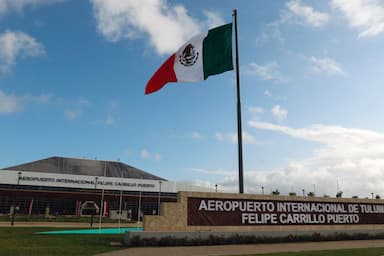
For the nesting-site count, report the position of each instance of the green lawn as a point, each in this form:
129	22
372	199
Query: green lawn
24	241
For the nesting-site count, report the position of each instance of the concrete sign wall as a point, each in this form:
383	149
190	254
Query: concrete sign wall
241	212
229	212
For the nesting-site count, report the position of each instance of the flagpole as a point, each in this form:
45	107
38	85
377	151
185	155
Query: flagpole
102	198
239	129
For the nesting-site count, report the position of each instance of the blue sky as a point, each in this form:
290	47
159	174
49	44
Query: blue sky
73	73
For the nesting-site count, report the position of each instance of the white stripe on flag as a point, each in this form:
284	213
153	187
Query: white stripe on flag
188	72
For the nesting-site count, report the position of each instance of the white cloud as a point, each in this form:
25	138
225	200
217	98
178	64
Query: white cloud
267	93
335	135
14	45
71	114
326	65
269	71
39	99
43	98
352	156
147	155
168	27
19	5
366	15
294	13
212	172
248	138
307	14
229	137
232	138
128	152
255	112
196	135
279	113
75	108
10	103
82	102
157	157
113	106
110	120
270	32
213	19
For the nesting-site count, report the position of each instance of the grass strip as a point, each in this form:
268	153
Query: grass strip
23	241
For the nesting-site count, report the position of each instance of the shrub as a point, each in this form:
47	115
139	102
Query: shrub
311	194
249	239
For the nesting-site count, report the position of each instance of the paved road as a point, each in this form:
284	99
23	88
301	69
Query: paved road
244	249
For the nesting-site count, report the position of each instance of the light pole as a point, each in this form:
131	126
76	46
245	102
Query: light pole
139	208
18	177
158	203
121	197
16	207
262	190
216	187
102	198
94	210
303	192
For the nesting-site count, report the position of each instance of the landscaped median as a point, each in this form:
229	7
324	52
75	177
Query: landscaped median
133	238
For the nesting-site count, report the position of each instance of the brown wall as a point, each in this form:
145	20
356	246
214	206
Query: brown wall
174	216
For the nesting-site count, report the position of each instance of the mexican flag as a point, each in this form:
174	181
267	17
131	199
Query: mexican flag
204	55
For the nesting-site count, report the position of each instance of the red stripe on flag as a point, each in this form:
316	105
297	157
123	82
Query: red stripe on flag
163	75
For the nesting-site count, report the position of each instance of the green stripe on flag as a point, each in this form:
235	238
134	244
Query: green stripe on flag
217	51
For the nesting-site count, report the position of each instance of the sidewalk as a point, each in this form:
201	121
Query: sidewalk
244	249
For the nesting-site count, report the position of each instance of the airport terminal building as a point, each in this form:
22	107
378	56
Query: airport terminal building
68	186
